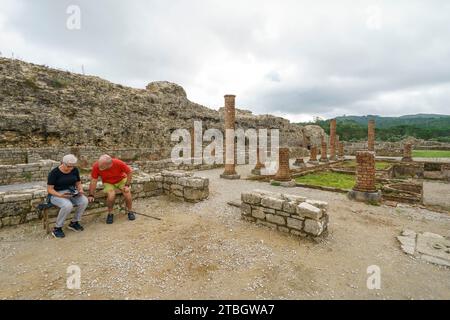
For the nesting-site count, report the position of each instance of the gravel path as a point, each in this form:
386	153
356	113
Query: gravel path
205	251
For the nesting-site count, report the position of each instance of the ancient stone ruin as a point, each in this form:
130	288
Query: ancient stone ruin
407	152
371	136
230	168
287	213
365	187
333	140
283	175
313	155
323	152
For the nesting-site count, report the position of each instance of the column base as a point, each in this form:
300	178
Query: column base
364	196
300	165
256	172
324	160
285	184
230	176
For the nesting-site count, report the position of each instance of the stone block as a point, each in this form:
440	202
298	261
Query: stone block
281	213
319	204
195	195
295	223
251	198
246	209
273	203
294	198
258	214
290	206
17	197
307	210
275	219
313	227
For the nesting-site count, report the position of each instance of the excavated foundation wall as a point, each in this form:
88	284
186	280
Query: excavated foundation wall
19	207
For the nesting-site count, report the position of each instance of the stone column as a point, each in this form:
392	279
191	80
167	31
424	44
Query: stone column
407	152
284	172
341	151
313	155
259	165
365	188
230	114
323	152
299	162
333	139
371	135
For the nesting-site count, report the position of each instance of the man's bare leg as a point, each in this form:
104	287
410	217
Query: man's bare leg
128	199
128	202
110	200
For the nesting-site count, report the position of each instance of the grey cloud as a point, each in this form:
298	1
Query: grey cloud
293	57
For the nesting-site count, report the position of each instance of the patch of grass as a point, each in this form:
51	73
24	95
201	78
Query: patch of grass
328	179
431	153
27	176
58	83
275	183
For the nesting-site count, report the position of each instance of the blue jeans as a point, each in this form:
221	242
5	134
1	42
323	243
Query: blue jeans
66	206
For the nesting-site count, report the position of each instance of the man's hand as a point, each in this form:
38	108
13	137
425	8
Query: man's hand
126	189
91	198
65	195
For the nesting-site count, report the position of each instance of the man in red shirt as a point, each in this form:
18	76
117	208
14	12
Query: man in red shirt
116	175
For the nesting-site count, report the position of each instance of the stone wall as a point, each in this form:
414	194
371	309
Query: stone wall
28	172
184	186
20	206
167	164
86	154
420	170
287	213
394	149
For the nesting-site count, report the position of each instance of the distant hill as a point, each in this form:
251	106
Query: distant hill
421	126
386	122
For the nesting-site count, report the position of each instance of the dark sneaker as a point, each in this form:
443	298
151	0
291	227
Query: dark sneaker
75	226
110	218
131	216
58	233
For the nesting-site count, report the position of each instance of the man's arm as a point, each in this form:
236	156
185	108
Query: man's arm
51	190
129	178
92	188
79	187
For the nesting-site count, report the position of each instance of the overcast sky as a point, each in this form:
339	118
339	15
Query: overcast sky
297	59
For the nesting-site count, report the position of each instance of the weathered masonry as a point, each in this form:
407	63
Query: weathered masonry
20	206
287	213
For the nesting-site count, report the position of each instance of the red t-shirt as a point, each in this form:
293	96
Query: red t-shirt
113	175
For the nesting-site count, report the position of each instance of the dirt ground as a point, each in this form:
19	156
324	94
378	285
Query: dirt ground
205	251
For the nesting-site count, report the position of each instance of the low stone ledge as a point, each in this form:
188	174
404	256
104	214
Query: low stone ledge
286	213
19	207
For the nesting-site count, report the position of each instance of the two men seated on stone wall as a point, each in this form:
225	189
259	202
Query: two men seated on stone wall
66	191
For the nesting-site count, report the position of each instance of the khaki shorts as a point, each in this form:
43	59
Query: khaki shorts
116	186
